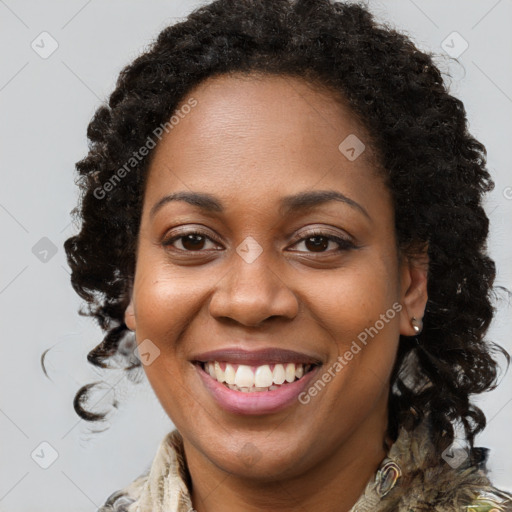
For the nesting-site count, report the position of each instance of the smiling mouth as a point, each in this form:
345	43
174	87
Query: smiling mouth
249	379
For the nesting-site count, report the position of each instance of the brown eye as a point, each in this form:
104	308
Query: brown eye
319	243
193	241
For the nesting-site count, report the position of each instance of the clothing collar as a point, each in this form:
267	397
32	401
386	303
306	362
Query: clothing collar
410	478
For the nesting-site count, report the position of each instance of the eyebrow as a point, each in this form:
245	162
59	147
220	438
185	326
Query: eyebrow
289	204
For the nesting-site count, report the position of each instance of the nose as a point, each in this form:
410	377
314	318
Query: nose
251	293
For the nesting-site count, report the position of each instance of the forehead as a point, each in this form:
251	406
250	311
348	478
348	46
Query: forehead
248	132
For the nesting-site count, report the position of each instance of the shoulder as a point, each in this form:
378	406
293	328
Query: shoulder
122	499
167	464
446	484
467	490
492	500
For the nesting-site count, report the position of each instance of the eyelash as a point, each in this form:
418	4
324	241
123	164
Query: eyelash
343	243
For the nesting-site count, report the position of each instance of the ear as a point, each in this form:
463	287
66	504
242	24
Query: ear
413	291
129	316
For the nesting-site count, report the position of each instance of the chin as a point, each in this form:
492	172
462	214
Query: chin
252	464
259	457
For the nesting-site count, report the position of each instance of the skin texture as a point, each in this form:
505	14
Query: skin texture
249	142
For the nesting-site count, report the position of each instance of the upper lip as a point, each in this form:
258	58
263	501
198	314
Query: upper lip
256	357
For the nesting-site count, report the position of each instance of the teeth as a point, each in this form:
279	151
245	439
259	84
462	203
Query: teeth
250	379
244	378
279	374
211	369
229	374
263	376
289	372
219	372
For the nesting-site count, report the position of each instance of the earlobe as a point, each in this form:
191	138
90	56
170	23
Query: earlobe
414	296
129	316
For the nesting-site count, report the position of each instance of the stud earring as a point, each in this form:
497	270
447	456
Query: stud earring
417	325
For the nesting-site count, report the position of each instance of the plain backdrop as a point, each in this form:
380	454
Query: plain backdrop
46	102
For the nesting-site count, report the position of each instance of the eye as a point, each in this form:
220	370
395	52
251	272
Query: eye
318	242
191	241
315	241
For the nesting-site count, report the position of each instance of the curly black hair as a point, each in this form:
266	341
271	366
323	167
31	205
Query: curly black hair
435	171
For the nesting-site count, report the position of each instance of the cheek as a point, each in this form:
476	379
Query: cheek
359	309
165	308
165	305
351	300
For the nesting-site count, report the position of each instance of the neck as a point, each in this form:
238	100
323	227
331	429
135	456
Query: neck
334	484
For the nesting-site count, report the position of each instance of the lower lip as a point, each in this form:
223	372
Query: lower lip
256	402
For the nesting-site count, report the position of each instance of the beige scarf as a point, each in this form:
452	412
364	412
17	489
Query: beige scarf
409	479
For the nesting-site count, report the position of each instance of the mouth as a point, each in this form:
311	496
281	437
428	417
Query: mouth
255	379
255	389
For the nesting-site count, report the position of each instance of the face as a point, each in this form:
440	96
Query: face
259	262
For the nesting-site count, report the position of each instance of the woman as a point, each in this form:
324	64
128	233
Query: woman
283	207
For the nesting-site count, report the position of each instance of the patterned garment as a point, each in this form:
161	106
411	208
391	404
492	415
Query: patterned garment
409	479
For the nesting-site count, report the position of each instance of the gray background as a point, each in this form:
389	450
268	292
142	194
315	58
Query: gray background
45	107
